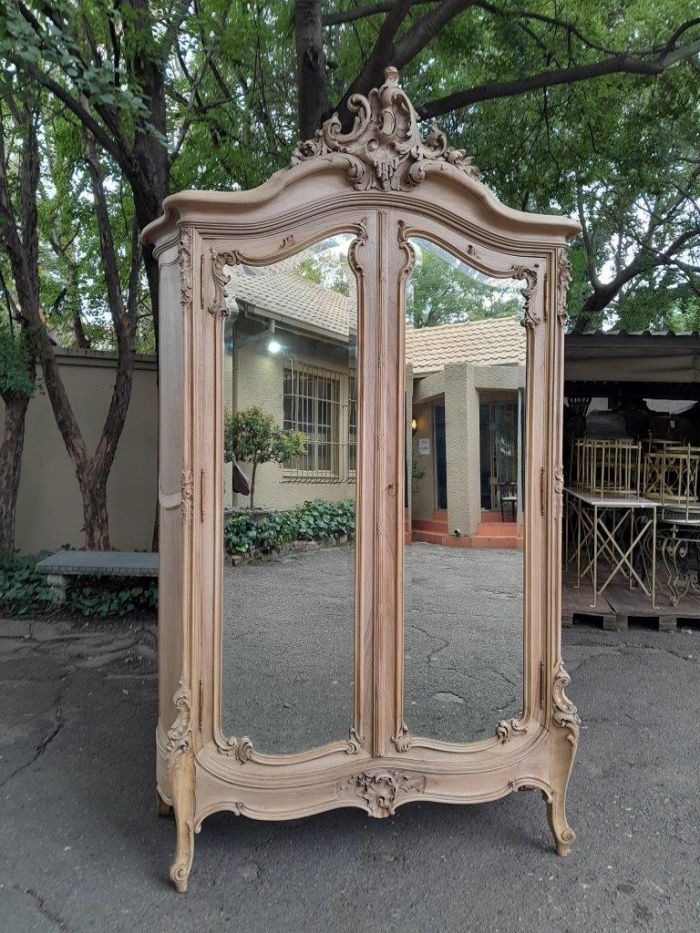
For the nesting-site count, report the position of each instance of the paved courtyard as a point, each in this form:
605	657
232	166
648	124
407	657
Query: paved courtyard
82	850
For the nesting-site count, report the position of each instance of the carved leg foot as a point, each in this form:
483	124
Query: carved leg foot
566	725
184	853
162	808
564	836
180	767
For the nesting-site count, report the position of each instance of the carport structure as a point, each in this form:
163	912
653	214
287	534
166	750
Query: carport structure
641	388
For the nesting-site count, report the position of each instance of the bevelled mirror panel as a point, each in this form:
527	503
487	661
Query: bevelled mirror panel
463	558
291	453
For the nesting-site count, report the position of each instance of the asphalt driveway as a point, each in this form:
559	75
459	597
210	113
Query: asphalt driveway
82	850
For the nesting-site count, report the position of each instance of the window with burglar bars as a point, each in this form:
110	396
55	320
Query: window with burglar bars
352	423
312	406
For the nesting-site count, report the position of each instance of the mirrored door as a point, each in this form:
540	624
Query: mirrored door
291	387
466	511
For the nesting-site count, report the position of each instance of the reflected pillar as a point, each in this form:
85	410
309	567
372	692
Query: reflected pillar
462	444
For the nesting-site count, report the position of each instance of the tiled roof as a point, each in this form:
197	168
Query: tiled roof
285	294
491	342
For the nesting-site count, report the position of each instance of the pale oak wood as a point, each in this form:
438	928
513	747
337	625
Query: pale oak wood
383	184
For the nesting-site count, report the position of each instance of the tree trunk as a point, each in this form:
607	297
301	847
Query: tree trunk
16	405
311	66
93	487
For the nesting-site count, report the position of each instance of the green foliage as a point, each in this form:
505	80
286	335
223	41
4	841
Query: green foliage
625	144
16	377
24	591
102	597
443	290
317	520
328	266
253	436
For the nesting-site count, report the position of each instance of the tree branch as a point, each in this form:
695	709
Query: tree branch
362	12
425	30
624	63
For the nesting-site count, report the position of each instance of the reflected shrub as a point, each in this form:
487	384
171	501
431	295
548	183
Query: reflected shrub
317	520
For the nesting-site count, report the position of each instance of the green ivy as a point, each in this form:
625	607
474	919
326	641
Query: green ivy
317	520
22	589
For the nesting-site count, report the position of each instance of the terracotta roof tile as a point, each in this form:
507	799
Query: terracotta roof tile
491	342
285	294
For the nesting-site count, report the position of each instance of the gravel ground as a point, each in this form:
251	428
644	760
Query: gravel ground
288	645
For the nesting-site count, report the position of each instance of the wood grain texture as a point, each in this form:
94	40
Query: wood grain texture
379	766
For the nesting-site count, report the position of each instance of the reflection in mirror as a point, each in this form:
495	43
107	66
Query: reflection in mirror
290	437
463	612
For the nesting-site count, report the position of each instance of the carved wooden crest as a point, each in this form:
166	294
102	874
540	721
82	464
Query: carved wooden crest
384	149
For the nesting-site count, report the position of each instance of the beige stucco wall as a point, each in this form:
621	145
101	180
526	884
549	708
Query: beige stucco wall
466	386
257	378
49	505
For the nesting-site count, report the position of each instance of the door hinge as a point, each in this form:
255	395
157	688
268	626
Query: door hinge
201	496
543	491
542	684
201	705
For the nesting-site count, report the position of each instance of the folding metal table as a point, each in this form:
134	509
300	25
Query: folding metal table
611	536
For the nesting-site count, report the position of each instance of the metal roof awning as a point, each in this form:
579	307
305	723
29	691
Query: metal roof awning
648	365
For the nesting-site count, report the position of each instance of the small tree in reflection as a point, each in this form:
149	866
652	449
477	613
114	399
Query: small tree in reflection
253	436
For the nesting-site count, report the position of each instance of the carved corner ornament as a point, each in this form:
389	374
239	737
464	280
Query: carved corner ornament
353	742
381	790
507	728
185	259
564	712
240	749
384	149
563	282
179	764
530	316
403	740
360	240
231	257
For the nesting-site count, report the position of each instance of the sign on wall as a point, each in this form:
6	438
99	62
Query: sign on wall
423	446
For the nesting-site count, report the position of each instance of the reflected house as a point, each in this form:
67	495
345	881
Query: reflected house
290	348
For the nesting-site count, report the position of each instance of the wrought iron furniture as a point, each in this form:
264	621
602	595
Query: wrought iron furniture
672	478
607	467
612	536
679	546
379	185
508	496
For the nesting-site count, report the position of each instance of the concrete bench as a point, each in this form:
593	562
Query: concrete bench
63	564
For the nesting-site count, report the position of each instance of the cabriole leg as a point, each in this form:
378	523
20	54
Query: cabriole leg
564	836
566	725
180	769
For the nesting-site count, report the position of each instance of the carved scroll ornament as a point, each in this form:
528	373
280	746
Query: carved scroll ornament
564	280
380	790
530	316
507	728
185	257
384	149
564	712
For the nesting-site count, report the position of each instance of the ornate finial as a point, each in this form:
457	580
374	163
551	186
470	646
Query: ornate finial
384	149
391	75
